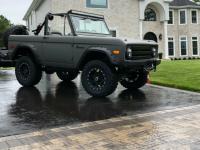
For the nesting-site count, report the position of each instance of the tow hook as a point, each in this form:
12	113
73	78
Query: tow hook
150	68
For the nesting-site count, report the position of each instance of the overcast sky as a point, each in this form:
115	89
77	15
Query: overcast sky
14	10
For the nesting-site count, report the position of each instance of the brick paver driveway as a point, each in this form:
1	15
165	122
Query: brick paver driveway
56	115
169	129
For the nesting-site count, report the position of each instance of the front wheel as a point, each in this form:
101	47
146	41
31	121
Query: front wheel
135	80
27	72
98	79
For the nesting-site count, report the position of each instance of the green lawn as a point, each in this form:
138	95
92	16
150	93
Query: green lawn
182	74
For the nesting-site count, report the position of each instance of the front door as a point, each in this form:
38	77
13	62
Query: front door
150	36
57	51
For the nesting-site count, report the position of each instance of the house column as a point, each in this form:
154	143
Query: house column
34	24
141	29
166	40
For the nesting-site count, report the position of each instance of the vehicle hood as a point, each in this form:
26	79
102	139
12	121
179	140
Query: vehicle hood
113	41
130	41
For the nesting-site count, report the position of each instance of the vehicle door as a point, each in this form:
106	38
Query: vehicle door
57	51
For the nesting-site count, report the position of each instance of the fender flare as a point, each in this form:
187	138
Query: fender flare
23	49
97	50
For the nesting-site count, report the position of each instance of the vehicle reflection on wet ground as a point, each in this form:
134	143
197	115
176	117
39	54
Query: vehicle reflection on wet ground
55	103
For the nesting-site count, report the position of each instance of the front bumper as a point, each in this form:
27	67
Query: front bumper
147	64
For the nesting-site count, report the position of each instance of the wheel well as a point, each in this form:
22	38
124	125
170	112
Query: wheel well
94	56
23	51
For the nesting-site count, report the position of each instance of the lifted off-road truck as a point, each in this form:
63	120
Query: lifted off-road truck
88	48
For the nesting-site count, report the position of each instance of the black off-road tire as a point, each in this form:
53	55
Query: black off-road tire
27	72
98	79
67	76
14	30
135	80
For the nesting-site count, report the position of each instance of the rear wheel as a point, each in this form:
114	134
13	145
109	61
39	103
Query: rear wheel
135	80
27	72
67	76
98	79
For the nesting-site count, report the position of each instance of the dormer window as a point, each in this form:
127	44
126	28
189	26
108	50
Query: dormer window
150	15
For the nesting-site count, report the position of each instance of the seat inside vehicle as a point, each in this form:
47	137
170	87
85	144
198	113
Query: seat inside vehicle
55	33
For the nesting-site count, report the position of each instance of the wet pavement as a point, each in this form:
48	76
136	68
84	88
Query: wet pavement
53	103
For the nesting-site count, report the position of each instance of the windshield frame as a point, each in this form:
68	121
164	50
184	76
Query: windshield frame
87	17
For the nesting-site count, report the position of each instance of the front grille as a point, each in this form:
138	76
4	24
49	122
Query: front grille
141	52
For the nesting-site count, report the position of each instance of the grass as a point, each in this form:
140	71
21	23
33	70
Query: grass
182	74
7	68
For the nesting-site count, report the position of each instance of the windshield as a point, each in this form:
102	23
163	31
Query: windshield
89	25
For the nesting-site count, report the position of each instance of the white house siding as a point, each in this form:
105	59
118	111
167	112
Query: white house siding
127	18
39	14
156	27
125	21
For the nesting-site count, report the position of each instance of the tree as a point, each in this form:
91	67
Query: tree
196	0
4	25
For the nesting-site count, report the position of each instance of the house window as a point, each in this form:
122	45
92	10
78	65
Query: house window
97	3
195	46
194	16
183	46
171	17
150	15
182	17
113	33
171	46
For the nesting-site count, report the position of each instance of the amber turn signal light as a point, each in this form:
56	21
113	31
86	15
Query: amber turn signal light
116	52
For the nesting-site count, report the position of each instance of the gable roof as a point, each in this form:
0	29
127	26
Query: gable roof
34	5
183	3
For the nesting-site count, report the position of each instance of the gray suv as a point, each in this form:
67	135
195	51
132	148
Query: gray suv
88	48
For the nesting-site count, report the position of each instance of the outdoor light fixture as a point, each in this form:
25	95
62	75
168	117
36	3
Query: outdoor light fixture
160	37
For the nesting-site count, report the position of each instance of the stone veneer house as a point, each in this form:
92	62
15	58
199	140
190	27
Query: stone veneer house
174	24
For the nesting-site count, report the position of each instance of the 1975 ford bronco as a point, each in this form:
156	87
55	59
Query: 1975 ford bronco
88	48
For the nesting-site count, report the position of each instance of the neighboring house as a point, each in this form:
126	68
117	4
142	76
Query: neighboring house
139	19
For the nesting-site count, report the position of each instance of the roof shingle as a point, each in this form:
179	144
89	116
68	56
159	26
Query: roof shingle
183	3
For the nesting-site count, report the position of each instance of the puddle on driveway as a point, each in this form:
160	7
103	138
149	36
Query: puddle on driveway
54	103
